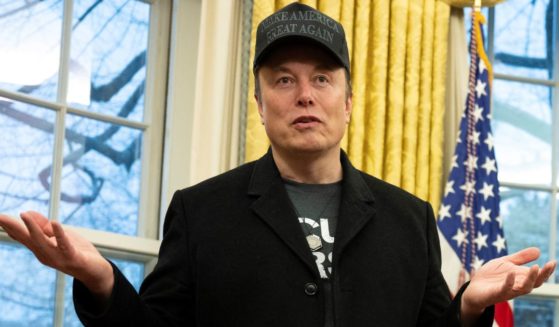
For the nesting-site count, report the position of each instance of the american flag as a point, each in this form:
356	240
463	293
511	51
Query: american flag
469	222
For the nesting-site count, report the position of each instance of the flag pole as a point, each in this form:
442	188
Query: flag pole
477	5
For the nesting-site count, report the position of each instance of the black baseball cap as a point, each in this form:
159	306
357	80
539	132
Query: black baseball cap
299	21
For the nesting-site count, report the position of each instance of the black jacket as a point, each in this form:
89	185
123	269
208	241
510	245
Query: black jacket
234	254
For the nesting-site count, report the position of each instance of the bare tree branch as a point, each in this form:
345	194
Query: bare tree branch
27	5
90	143
104	93
521	61
534	62
26	300
87	12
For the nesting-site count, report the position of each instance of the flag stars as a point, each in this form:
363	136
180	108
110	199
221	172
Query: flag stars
477	263
481	66
480	89
484	215
487	191
460	237
471	222
449	188
468	187
454	161
499	243
489	141
499	219
481	241
474	137
465	212
471	163
478	113
444	212
489	165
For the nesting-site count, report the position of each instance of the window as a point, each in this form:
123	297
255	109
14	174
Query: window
522	43
82	100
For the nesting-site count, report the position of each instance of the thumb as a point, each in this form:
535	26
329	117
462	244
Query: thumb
523	256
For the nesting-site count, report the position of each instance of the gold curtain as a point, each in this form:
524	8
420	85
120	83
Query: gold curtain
398	50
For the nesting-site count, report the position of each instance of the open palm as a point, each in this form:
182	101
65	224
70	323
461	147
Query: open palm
62	250
505	278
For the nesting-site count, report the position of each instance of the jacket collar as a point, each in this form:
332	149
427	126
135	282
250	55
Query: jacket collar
274	207
266	172
264	175
356	206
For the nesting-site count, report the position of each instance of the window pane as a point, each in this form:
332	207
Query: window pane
523	41
101	176
522	131
26	149
530	312
526	220
134	272
30	46
26	288
108	57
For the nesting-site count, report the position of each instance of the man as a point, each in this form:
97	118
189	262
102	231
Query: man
234	252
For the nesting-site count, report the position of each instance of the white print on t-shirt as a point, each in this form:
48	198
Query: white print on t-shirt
321	257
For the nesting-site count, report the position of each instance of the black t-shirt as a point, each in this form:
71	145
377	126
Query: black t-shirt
317	208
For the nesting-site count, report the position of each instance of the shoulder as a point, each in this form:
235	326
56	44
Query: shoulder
391	197
217	199
234	180
380	187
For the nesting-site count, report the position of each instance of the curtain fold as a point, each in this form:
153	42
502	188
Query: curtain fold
411	100
456	84
398	52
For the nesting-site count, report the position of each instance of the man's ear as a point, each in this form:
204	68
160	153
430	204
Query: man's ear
348	108
260	109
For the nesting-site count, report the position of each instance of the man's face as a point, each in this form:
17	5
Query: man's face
303	101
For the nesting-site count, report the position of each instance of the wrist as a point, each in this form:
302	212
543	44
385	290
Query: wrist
470	310
100	284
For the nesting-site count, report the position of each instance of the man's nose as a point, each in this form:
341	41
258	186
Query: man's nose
305	95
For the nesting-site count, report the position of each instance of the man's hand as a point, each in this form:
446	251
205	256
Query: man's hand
503	279
62	250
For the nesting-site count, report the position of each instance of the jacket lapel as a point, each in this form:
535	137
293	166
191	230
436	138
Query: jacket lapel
356	207
274	208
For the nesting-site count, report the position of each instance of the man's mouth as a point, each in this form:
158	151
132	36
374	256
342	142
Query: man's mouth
305	120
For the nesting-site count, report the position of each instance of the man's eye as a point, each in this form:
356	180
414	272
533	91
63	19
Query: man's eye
322	79
284	80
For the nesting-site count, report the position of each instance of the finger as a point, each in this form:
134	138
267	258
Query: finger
8	222
508	285
544	274
62	241
43	222
526	284
15	228
38	240
524	256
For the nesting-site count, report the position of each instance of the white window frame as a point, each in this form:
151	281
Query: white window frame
549	290
144	247
202	57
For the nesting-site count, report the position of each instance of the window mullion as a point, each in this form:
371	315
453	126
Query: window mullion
554	143
491	34
59	299
152	137
58	153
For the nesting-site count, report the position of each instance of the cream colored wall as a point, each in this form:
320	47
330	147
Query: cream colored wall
203	102
216	101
